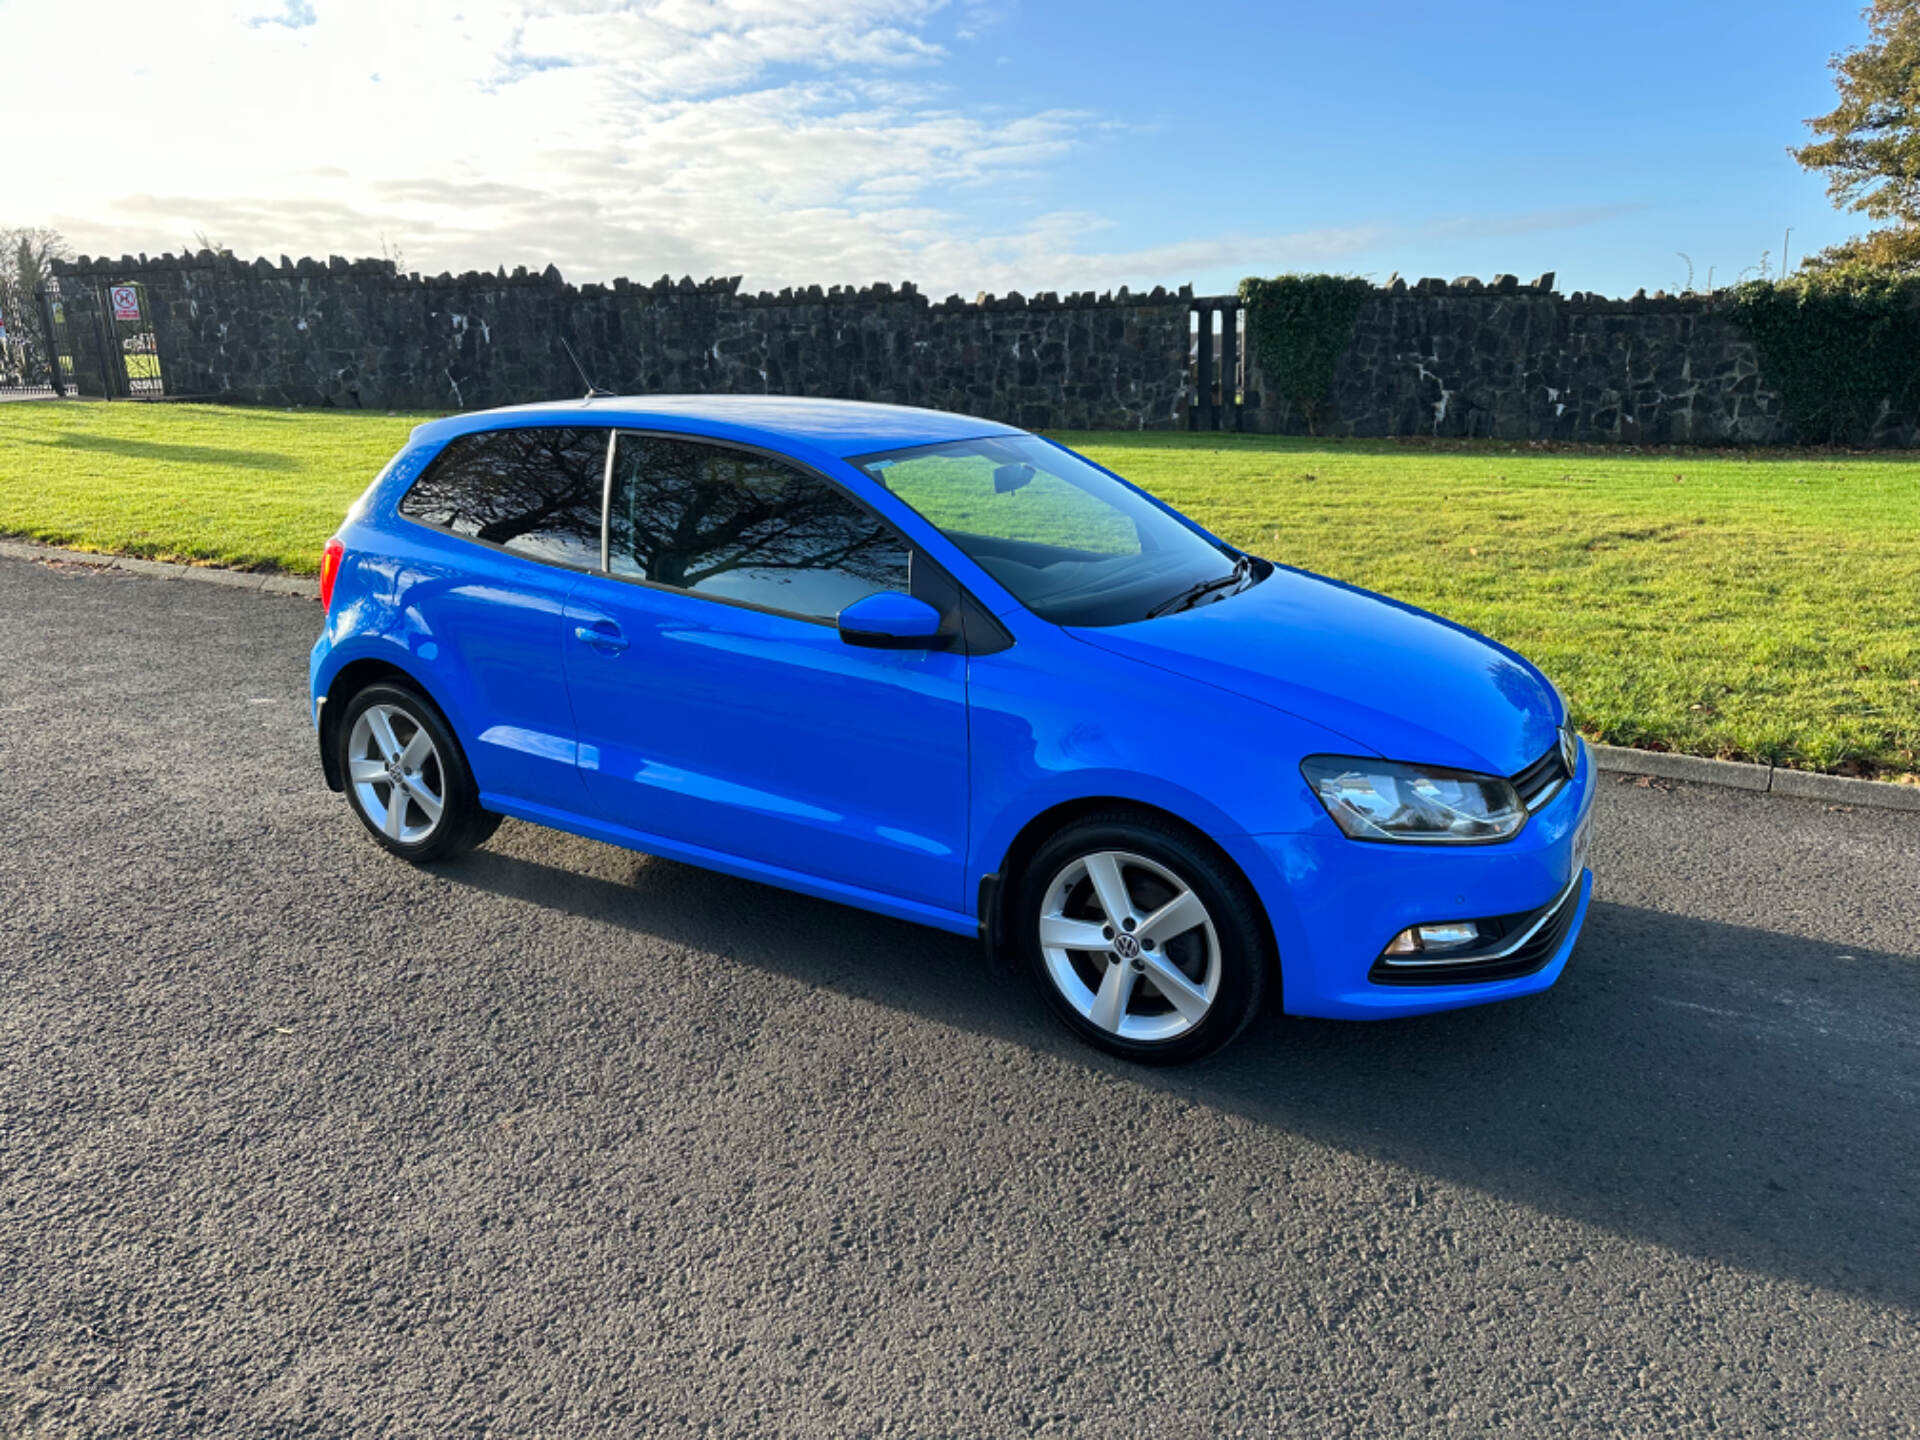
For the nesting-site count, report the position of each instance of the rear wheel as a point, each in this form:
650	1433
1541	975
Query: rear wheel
1143	941
405	775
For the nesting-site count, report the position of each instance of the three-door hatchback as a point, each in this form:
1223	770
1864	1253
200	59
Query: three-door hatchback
952	672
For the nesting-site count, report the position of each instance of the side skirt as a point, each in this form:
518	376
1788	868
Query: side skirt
952	921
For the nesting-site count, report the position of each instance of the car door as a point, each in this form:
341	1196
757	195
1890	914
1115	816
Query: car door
718	707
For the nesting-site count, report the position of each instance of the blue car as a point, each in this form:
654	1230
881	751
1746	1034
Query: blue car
950	671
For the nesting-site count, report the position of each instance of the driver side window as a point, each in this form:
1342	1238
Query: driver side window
735	525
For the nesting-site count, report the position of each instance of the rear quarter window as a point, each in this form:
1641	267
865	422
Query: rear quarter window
535	491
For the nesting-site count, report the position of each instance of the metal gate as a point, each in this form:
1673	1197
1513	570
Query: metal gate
130	349
35	356
1217	373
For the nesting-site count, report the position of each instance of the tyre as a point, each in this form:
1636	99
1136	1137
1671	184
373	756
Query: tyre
406	777
1143	940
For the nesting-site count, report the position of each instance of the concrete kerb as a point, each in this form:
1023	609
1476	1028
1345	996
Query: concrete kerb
1728	774
299	586
1840	790
1614	759
1766	779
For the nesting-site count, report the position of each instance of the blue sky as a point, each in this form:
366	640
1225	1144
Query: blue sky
966	145
1591	139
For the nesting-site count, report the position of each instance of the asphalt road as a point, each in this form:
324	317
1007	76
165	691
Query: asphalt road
560	1141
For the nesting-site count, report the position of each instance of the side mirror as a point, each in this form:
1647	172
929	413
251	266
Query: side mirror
1008	478
889	620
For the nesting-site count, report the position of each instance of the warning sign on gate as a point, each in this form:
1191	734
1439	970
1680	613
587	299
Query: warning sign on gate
126	303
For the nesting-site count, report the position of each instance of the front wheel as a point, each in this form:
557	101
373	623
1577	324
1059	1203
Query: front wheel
405	775
1143	941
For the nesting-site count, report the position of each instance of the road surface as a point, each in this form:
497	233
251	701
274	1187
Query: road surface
556	1140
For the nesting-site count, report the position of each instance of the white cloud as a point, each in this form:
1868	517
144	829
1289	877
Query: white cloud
771	137
791	141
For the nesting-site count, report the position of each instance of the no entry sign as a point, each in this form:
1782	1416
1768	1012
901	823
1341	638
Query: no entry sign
126	302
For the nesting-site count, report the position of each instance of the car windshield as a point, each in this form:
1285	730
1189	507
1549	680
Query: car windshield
1071	543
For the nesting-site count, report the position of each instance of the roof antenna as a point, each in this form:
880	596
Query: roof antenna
594	392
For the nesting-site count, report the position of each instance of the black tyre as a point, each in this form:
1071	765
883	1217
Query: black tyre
1143	939
406	777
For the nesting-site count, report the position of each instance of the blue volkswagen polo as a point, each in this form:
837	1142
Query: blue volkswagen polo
952	672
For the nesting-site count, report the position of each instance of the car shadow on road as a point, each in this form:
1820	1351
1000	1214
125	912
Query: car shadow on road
1747	1097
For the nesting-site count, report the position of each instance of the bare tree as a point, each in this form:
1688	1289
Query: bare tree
30	250
203	241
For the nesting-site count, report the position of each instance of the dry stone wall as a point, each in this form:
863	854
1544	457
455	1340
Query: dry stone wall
356	333
1522	362
1458	359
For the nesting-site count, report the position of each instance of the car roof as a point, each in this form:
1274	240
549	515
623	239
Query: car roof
838	427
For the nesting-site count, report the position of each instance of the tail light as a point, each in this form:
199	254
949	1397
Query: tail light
330	570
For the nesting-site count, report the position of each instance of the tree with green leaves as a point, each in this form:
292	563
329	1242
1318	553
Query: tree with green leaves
1869	144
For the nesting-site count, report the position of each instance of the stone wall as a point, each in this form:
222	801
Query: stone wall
359	334
1451	360
1523	362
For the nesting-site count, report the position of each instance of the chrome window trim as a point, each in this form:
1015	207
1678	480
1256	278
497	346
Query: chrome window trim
606	495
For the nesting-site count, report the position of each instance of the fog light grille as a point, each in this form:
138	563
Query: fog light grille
1507	947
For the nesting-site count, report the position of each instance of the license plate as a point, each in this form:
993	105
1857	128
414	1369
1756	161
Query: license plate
1582	838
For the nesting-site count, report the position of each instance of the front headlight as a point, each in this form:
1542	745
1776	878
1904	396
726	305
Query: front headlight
1379	800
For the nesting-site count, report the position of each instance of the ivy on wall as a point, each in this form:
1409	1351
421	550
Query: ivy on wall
1840	346
1298	327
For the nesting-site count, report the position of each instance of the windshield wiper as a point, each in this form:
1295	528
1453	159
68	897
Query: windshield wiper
1194	594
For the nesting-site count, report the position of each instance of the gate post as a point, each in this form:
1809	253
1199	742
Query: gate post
1230	364
1211	420
48	329
101	338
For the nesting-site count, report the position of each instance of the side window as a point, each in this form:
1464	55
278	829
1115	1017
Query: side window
739	526
536	491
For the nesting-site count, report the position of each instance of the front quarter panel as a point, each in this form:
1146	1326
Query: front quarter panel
1055	720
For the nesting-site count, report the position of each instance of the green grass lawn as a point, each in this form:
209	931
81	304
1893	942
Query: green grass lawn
215	484
1751	605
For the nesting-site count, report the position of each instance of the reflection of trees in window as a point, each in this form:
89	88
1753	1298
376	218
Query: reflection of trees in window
536	490
684	514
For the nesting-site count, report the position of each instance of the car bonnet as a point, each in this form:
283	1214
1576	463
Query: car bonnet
1398	681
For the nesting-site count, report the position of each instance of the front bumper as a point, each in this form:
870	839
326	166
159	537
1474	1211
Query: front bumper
1335	903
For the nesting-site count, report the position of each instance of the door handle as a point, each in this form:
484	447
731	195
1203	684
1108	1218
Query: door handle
602	635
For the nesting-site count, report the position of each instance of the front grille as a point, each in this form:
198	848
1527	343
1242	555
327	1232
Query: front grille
1542	780
1539	935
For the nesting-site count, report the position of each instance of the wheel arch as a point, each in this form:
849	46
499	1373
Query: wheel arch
351	678
997	889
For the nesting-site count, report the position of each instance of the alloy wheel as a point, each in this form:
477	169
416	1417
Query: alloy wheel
396	774
1130	946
